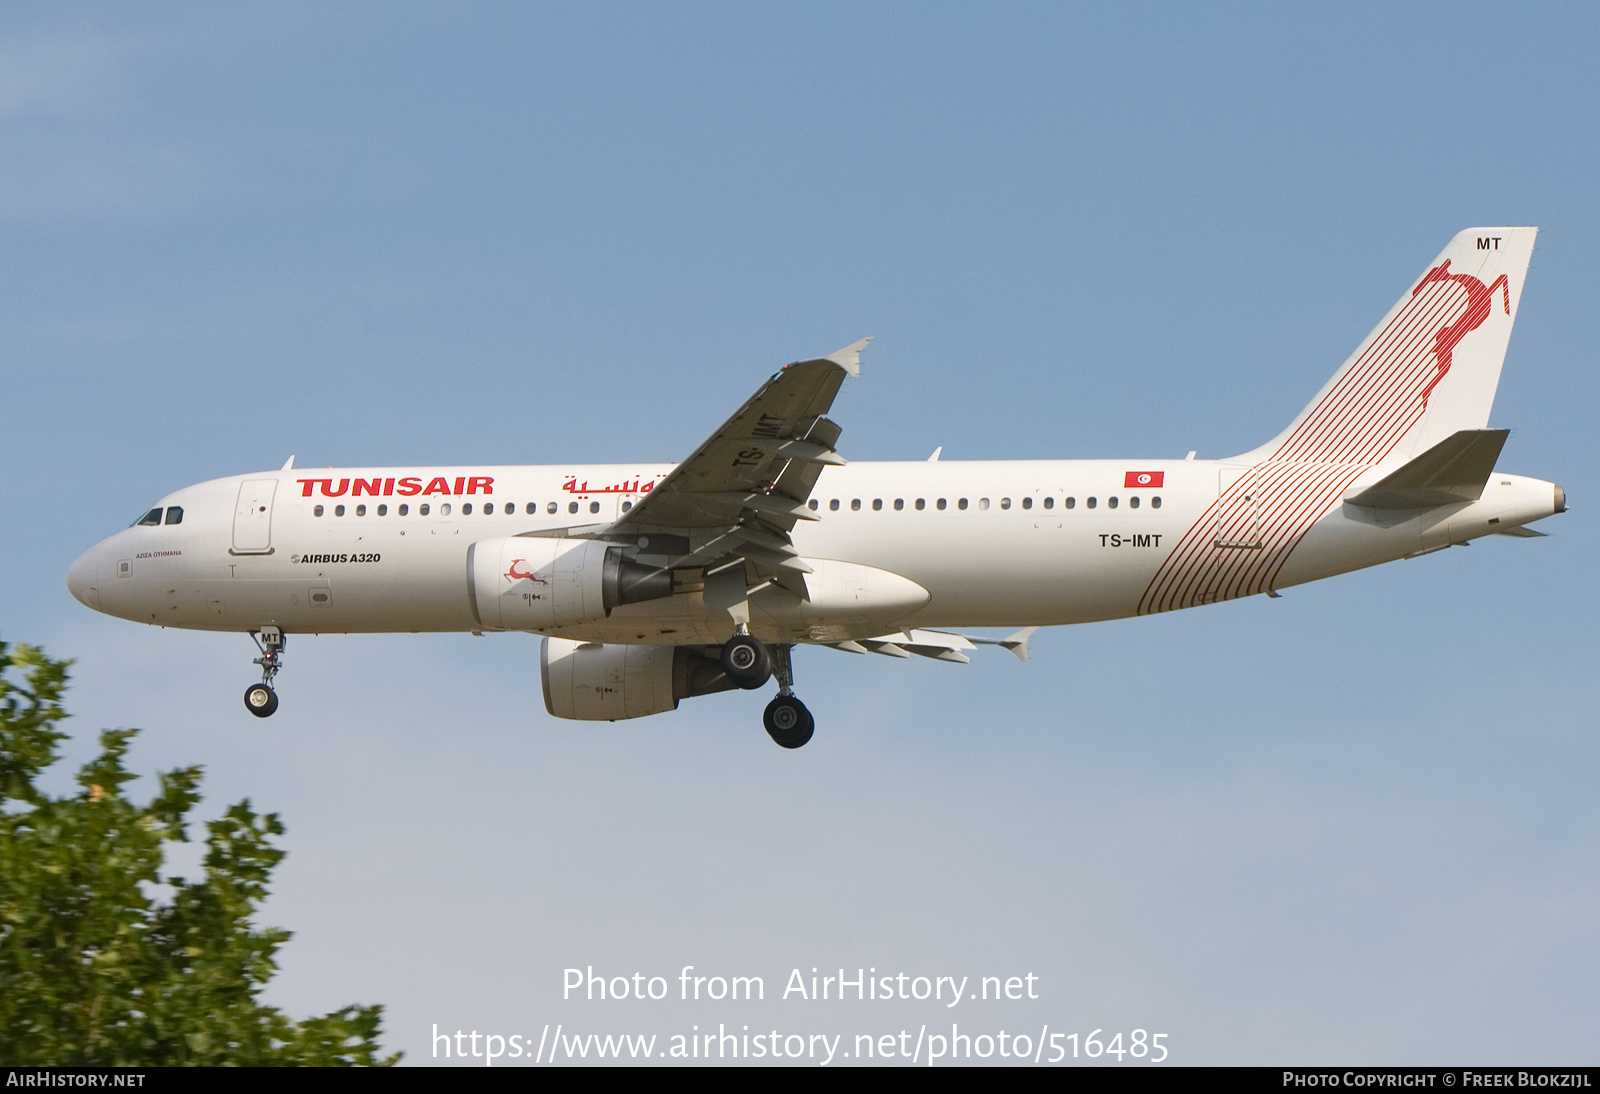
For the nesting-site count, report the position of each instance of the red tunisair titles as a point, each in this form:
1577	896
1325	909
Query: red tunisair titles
409	487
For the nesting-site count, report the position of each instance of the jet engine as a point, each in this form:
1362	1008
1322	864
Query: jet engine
602	682
525	583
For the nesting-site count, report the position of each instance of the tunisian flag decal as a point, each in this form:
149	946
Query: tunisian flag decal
1135	479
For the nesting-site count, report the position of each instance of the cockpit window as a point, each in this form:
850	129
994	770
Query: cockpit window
174	514
153	517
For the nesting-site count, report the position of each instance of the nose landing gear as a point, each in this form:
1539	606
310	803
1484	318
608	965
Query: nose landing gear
260	699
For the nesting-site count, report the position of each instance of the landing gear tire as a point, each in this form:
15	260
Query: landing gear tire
788	722
260	700
746	662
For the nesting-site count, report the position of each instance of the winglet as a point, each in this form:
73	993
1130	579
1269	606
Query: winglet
936	453
849	358
1018	643
288	464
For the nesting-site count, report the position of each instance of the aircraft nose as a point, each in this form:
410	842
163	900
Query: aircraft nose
83	579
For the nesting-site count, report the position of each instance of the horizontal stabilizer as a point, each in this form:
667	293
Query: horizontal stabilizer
1520	532
1452	471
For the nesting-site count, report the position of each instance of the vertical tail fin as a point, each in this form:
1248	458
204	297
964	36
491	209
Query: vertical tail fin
1429	369
1427	372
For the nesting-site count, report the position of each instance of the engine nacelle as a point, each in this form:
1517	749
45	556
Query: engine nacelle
529	583
596	682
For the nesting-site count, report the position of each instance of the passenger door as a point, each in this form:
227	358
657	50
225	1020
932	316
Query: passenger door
252	517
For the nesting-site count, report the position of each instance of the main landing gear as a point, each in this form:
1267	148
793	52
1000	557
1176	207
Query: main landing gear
750	664
260	699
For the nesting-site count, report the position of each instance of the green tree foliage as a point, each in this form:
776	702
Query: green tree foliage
95	971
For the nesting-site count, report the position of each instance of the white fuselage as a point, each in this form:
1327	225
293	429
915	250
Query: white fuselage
1003	544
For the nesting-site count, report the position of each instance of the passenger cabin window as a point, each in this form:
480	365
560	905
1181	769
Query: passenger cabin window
1049	503
422	510
921	504
383	510
404	509
174	514
1071	503
488	508
444	510
361	510
962	504
983	503
594	507
899	503
1027	503
572	507
316	510
338	510
1155	502
1133	501
815	504
939	504
1111	502
877	503
833	505
150	519
855	504
626	506
466	509
533	507
551	508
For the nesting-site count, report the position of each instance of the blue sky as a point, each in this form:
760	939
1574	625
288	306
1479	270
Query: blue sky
1356	823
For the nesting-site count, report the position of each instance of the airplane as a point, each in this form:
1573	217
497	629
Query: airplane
652	584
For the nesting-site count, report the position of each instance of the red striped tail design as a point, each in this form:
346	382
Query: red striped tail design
1430	368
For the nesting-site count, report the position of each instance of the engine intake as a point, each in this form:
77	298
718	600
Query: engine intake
528	583
596	682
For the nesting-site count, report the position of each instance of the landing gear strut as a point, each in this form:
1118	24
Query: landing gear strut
786	718
260	699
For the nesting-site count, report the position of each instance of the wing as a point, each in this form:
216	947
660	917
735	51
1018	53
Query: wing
740	494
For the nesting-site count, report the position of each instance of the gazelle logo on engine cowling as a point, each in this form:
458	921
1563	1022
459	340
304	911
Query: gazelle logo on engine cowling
514	575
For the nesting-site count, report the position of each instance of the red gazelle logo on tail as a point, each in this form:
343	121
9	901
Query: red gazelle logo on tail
1480	301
